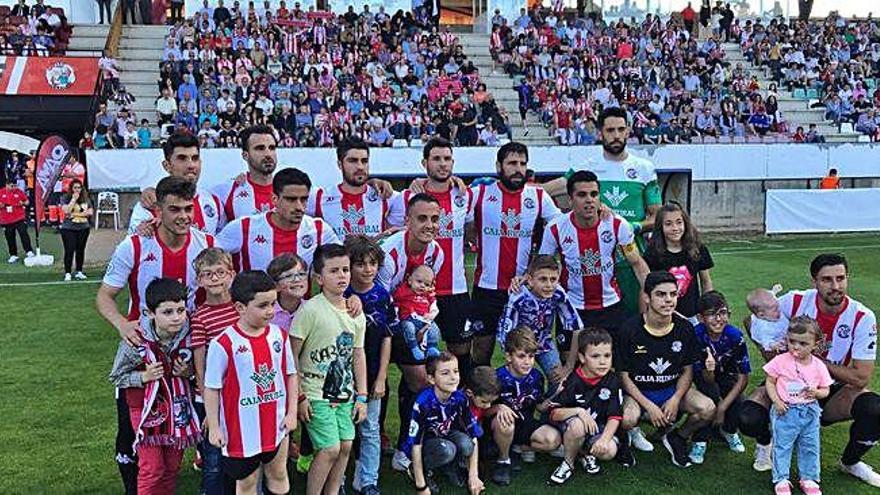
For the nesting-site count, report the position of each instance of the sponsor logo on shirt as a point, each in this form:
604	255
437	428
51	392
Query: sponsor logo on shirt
659	365
615	196
590	264
492	199
260	239
509	223
640	349
447	226
567	240
242	349
242	193
265	380
604	394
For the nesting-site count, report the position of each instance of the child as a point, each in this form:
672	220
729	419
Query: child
366	258
589	409
725	374
214	273
796	380
328	346
250	389
156	376
417	308
291	276
145	139
482	391
442	432
522	391
768	327
536	306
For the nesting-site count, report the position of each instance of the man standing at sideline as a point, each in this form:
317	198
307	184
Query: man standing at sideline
628	187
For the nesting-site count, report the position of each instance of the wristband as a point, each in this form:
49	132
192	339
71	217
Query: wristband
637	227
301	397
362	398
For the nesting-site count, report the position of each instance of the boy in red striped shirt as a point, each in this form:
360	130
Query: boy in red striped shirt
214	273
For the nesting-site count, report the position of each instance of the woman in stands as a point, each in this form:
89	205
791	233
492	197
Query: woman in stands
75	229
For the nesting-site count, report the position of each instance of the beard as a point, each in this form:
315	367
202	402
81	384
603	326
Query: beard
440	176
354	180
509	183
614	148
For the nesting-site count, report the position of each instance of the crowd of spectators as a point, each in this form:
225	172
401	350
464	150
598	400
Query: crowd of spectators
316	78
36	30
835	61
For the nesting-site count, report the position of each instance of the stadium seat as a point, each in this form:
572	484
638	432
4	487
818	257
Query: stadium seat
769	139
846	128
799	93
753	140
108	204
739	139
709	140
400	143
724	140
813	93
864	139
783	139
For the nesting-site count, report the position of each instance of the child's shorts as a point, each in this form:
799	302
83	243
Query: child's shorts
523	430
330	423
659	397
239	468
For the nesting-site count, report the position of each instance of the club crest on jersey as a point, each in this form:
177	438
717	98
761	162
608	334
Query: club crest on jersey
307	241
676	346
209	211
604	394
276	346
264	377
149	257
615	196
607	236
186	355
459	201
260	239
529	203
632	173
372	195
843	331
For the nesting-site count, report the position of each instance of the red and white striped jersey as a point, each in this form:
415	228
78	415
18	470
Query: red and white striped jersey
250	373
849	334
505	221
137	261
587	258
365	213
208	214
255	240
398	263
241	200
454	209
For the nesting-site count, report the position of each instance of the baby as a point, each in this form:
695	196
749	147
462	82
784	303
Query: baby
417	308
768	325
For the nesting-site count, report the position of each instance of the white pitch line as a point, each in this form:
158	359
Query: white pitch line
59	282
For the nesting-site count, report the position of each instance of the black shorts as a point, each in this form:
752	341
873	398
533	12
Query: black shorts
240	468
401	354
832	390
452	318
487	306
523	430
610	318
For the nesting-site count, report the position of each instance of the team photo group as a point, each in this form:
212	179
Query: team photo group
574	319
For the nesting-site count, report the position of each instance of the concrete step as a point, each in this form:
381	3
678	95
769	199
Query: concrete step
138	77
841	138
806	115
86	43
91	30
142	43
154	55
143	90
141	31
140	65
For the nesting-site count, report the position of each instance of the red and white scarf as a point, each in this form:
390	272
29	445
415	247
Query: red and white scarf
168	416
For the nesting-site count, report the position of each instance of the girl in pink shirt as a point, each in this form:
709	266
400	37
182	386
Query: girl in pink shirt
796	381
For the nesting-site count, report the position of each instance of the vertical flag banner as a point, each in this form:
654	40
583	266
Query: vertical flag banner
53	155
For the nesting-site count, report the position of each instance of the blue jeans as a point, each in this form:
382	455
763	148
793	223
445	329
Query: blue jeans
410	328
548	361
371	449
799	426
213	481
439	452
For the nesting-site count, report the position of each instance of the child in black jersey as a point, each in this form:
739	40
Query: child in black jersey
589	409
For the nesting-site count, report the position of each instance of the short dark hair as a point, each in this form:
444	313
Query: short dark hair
443	357
360	248
611	112
351	143
483	382
657	278
592	336
711	301
827	259
833	171
289	176
324	253
179	140
421	198
175	186
247	132
511	148
164	290
247	284
435	142
580	176
543	262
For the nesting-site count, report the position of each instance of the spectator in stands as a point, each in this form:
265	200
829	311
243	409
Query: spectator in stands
705	123
21	9
813	135
759	122
867	124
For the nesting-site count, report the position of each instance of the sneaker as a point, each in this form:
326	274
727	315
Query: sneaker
763	458
734	442
80	276
304	463
387	448
67	277
810	487
590	464
559	453
456	476
639	442
400	462
29	254
624	456
782	488
863	472
528	456
698	452
501	473
13	259
561	474
677	448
